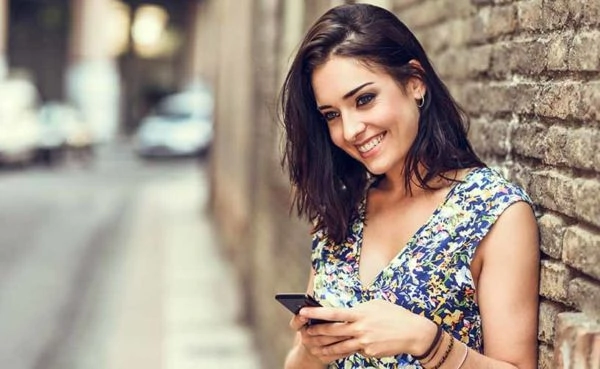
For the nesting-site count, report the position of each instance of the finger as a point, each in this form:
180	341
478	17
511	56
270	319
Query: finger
297	322
342	348
330	329
320	341
329	313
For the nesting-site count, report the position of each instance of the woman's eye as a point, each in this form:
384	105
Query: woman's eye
364	99
330	115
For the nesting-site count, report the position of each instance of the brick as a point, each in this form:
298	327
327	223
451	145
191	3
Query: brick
530	57
577	341
587	201
521	174
589	103
553	191
552	229
557	100
585	52
554	280
502	20
529	15
545	357
568	100
581	250
585	12
434	39
584	294
547	320
558	145
558	51
479	60
458	30
555	14
451	34
575	197
500	97
453	64
490	137
523	96
582	147
478	26
484	97
525	134
424	14
522	57
492	22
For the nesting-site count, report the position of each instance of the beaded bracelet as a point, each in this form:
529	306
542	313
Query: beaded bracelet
434	343
433	354
446	354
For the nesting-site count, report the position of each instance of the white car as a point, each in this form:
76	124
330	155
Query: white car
181	125
19	128
63	131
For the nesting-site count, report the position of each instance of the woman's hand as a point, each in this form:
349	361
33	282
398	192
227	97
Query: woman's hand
376	328
315	344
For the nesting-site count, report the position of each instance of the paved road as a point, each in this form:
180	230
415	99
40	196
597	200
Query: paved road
114	266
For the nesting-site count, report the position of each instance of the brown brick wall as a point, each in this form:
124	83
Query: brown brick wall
528	73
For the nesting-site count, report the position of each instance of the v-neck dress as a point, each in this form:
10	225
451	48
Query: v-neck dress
431	275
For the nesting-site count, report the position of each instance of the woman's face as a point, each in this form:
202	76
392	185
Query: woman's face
368	114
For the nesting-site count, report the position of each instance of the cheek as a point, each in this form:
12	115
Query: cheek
336	133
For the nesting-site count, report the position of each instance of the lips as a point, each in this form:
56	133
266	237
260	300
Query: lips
370	144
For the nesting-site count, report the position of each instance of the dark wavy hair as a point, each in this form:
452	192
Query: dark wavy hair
329	184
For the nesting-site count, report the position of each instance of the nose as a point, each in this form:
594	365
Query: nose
353	127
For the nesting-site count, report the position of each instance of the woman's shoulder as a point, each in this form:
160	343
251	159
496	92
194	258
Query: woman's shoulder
489	184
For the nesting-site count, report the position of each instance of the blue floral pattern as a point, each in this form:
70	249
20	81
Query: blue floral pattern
431	275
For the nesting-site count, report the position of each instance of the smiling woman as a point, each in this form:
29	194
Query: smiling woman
424	256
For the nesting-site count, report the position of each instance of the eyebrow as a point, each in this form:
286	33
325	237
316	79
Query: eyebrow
348	94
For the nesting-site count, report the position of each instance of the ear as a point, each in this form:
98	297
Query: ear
416	87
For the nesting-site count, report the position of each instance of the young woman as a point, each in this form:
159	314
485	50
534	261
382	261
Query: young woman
422	256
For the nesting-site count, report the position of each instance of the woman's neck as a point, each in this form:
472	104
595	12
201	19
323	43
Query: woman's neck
395	184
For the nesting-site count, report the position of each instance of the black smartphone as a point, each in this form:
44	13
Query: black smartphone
296	301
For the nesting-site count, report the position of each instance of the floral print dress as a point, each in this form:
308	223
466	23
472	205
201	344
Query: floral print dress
430	275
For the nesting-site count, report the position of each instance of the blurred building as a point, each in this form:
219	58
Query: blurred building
112	59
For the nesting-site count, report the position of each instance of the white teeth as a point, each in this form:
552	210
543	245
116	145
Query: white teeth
371	144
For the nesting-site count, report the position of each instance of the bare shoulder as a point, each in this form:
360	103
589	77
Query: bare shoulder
515	231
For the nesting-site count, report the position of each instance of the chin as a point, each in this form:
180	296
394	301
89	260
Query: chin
376	169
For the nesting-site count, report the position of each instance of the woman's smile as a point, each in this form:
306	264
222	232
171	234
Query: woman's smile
368	148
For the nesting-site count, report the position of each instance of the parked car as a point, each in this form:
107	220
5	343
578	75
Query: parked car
62	132
19	128
180	125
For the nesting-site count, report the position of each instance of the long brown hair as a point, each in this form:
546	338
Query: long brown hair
329	183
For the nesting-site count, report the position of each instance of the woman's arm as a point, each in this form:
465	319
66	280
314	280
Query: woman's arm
507	293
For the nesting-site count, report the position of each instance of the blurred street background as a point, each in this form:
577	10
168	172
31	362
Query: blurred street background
115	266
108	254
144	215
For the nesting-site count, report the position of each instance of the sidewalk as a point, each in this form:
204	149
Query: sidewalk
178	307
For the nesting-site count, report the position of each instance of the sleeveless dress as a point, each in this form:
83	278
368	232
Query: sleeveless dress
430	276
